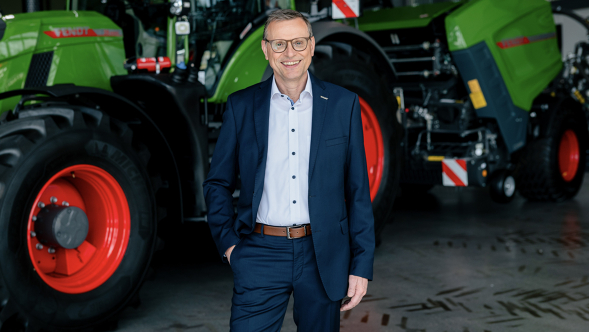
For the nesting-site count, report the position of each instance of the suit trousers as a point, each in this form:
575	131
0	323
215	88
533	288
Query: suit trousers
266	270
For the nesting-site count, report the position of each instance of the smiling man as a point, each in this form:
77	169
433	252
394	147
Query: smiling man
304	223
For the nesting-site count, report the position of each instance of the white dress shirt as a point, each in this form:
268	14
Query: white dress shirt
284	199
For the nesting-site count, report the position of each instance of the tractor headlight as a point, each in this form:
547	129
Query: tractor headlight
176	7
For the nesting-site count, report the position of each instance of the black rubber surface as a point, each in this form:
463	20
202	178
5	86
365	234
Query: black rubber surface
537	172
33	149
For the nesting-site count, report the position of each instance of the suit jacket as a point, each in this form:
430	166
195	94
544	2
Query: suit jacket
340	209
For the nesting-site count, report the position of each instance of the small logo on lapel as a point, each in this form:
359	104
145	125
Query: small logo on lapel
324	97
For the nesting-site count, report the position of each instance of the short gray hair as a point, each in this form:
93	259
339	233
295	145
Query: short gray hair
286	15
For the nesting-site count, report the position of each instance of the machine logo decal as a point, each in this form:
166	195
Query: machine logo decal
454	173
522	40
82	32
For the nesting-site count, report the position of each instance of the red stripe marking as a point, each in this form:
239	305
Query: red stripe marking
70	33
513	42
523	40
452	176
345	9
462	163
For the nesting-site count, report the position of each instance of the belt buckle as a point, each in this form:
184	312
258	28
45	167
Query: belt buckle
294	227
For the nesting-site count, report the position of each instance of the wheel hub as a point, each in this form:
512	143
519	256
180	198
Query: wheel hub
76	246
373	146
568	155
509	186
62	226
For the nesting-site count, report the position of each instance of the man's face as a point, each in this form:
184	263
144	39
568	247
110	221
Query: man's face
289	65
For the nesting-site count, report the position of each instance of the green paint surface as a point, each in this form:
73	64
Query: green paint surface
403	17
526	69
84	61
245	68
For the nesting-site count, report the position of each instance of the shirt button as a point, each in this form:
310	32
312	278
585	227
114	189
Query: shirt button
292	130
292	108
294	176
293	153
294	202
281	95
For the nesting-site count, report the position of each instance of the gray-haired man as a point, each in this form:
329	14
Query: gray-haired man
304	224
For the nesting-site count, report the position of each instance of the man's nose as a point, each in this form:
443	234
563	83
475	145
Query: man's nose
290	50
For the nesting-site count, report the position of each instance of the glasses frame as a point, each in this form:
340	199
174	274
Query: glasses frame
288	42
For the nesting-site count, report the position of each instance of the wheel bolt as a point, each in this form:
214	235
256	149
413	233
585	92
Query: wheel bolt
64	203
51	250
53	200
34	218
39	246
33	234
41	205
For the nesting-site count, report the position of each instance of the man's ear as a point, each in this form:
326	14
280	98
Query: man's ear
312	41
264	49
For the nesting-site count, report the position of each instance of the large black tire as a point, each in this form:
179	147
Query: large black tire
342	65
537	173
38	144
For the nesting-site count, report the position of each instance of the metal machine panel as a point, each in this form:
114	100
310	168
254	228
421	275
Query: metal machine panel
477	63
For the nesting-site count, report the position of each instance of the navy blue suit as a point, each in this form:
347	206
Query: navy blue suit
340	209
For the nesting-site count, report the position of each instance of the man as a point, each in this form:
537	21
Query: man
304	221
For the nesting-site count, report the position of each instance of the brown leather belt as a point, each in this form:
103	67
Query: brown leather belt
291	232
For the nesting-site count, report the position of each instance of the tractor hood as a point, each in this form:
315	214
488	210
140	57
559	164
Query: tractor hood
43	31
404	17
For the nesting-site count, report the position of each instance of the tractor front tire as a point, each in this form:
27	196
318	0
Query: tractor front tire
551	168
72	161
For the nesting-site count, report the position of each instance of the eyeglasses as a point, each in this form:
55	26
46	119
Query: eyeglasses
280	45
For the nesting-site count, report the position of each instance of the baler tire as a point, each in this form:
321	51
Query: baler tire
538	174
34	149
357	74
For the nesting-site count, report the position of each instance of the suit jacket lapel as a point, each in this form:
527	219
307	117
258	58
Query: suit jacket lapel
319	110
261	119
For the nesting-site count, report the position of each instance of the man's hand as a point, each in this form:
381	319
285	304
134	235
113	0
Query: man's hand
357	287
228	253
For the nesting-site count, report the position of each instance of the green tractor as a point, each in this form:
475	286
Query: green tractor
110	111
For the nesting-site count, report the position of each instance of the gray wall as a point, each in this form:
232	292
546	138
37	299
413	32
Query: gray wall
572	31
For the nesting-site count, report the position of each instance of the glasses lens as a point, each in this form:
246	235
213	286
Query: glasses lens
279	45
299	44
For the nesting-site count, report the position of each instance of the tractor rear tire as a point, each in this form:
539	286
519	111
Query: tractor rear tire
551	168
80	156
344	66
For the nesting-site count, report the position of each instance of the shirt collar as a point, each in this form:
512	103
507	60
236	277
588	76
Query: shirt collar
308	87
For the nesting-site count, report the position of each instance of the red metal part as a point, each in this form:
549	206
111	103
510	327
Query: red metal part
374	147
568	155
149	64
85	268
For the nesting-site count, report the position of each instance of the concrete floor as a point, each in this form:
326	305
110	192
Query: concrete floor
451	260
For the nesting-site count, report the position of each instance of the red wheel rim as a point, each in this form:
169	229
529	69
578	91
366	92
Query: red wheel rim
374	147
568	155
100	196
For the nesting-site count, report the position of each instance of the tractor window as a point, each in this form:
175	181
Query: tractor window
144	24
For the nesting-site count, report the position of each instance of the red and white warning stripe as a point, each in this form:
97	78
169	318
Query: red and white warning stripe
345	8
454	173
